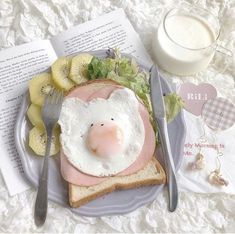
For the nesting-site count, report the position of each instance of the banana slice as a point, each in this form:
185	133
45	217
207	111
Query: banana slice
34	115
37	141
39	87
60	73
78	70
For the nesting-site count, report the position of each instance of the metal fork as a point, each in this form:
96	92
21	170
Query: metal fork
50	115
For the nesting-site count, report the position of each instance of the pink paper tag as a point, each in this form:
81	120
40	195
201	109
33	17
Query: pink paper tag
195	96
218	113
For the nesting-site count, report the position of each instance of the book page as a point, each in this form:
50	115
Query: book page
108	31
17	66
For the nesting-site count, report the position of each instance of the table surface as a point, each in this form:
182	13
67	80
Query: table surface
26	20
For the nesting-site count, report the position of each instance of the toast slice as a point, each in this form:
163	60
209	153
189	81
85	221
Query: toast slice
151	174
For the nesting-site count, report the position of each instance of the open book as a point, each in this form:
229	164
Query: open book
21	63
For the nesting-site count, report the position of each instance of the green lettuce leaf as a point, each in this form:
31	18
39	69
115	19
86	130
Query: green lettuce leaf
126	72
99	68
127	68
173	104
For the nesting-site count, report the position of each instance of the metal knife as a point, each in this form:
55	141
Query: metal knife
160	117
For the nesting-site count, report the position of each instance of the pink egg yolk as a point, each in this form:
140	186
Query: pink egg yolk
105	139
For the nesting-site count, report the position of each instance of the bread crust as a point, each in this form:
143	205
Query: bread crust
118	186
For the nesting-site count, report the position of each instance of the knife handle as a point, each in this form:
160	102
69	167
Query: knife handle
169	165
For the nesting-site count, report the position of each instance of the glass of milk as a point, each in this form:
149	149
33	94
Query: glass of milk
186	40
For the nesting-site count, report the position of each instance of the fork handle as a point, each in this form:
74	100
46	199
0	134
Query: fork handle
40	211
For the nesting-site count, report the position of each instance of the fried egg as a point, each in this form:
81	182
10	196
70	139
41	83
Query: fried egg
104	136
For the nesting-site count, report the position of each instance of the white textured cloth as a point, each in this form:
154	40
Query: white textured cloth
27	20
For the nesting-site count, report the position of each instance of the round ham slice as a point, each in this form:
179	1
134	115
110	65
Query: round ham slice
87	93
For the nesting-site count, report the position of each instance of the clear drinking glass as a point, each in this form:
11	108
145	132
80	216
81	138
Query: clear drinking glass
174	53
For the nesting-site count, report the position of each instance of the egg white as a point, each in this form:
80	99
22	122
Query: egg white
76	118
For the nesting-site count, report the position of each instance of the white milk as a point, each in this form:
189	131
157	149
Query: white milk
189	32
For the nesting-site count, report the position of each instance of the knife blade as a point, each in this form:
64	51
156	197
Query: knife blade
159	113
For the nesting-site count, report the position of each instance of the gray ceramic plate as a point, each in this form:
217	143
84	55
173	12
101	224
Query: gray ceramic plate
118	202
